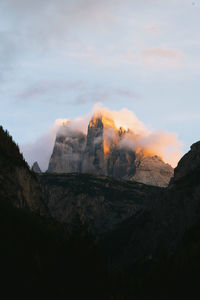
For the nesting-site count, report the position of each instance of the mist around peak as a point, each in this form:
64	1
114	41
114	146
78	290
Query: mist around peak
121	127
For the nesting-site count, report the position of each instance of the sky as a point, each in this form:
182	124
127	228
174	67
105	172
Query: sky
59	58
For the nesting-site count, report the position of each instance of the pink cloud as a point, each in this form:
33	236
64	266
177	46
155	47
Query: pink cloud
163	57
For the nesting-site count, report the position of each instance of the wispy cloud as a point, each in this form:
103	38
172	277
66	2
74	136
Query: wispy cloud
45	87
162	143
81	92
156	57
163	57
164	52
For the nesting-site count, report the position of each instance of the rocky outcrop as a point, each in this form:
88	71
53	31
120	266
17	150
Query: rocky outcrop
18	185
134	222
35	168
151	170
188	163
121	163
160	229
68	151
102	152
100	202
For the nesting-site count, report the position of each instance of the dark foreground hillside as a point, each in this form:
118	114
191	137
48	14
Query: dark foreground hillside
154	253
40	259
17	183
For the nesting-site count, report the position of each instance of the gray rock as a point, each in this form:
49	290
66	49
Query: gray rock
35	168
100	153
152	171
68	150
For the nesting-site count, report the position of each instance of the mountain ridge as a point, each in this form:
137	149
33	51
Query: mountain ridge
151	250
17	183
103	152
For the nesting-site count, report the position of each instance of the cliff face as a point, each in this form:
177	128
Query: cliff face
174	211
35	168
101	153
134	222
101	202
180	203
188	163
94	151
68	152
152	171
18	184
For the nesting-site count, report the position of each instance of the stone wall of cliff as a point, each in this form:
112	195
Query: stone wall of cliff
101	153
18	185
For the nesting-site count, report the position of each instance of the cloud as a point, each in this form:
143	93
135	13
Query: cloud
42	88
29	27
153	29
155	57
163	57
77	92
162	143
104	95
41	149
163	52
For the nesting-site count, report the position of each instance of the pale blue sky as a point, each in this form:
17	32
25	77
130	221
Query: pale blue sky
59	58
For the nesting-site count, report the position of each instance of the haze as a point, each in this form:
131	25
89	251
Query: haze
59	58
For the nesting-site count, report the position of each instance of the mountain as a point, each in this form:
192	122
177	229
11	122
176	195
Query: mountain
149	236
35	168
104	151
160	229
151	170
18	185
39	258
100	202
68	150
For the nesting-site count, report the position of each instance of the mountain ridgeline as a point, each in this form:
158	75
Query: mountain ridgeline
17	183
98	237
101	202
104	151
39	258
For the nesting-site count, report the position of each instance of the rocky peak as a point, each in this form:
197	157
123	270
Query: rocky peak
68	151
121	132
152	170
35	168
188	163
98	144
106	151
100	120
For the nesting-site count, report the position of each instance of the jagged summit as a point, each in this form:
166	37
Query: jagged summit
188	163
106	150
35	168
100	119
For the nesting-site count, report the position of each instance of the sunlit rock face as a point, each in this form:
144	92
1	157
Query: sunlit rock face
152	170
103	152
101	138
